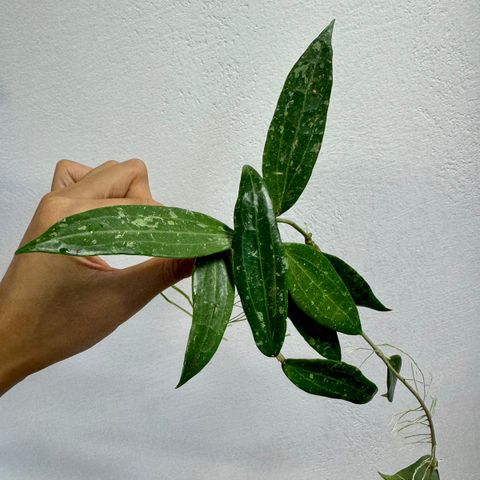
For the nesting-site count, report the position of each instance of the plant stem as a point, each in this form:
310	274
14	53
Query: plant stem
412	390
299	229
280	358
385	359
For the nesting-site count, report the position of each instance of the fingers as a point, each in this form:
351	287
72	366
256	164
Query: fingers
121	180
139	284
67	173
101	167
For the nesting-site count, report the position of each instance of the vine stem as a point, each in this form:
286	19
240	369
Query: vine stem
411	389
376	349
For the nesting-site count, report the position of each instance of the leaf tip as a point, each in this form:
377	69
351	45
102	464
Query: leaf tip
327	32
29	247
181	382
184	378
380	307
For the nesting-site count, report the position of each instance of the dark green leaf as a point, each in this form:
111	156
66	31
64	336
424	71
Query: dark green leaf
148	230
213	294
259	264
420	470
330	378
319	291
396	363
296	131
320	338
359	289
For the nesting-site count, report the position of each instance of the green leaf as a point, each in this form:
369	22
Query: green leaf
330	378
320	338
213	294
396	363
359	289
296	131
259	264
148	230
319	291
420	470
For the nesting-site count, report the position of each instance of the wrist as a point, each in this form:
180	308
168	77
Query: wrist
9	377
13	367
14	364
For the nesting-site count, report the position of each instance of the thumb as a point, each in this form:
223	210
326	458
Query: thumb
140	283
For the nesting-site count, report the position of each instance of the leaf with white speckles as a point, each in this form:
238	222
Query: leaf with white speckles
318	290
259	264
329	378
322	339
296	131
359	289
396	363
213	295
420	470
148	230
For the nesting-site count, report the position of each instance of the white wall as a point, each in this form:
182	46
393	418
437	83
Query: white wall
190	86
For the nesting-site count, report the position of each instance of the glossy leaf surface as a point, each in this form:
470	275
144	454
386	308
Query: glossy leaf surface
322	339
213	294
319	291
259	264
359	289
296	132
148	230
329	378
396	362
417	471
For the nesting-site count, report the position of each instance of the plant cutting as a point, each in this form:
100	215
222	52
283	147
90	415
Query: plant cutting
250	268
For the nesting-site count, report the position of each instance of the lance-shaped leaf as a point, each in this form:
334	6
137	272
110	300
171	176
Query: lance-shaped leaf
319	291
320	338
330	378
359	289
213	293
420	470
396	363
296	131
259	264
148	230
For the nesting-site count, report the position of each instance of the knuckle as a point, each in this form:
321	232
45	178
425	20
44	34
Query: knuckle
62	164
137	165
53	203
110	162
47	199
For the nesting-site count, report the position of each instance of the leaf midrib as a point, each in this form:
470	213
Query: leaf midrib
342	382
289	160
313	279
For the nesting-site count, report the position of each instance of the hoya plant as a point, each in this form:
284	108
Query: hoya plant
249	267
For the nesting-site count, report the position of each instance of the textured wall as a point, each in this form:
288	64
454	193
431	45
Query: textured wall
190	87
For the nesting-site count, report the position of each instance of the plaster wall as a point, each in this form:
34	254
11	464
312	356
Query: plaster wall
190	87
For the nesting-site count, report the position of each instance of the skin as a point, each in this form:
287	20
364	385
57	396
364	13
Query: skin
54	306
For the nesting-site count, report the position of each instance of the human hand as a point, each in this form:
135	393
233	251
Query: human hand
55	306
